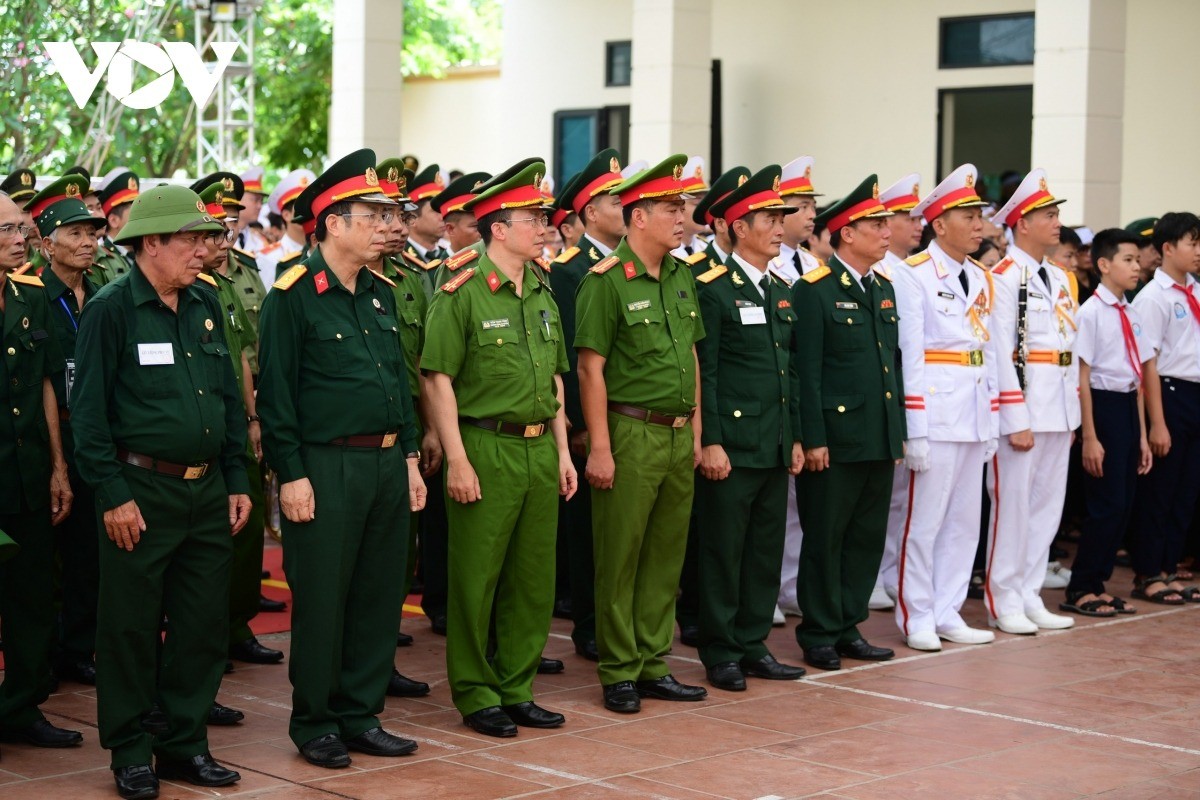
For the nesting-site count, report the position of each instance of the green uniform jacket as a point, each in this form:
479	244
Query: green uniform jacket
748	383
239	334
64	313
154	381
31	353
847	365
644	328
411	307
109	264
243	271
565	277
330	365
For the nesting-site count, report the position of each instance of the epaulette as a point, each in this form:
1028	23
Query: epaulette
566	255
1073	283
918	259
461	259
247	253
30	280
1004	264
105	251
21	270
816	274
1055	263
432	265
289	278
712	274
605	265
289	256
416	262
450	286
543	263
209	279
882	274
270	247
696	258
382	277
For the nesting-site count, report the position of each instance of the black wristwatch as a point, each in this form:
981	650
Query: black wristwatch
414	454
253	418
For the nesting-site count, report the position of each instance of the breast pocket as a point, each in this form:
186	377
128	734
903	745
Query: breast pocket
739	423
848	331
686	316
33	362
154	381
331	347
389	330
645	329
499	354
843	424
215	354
948	319
889	325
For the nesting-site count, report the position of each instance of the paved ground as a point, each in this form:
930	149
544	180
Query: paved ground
1107	710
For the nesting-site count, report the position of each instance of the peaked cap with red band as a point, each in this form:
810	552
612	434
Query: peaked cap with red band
957	190
903	195
1031	195
519	186
663	180
760	192
352	177
722	186
862	203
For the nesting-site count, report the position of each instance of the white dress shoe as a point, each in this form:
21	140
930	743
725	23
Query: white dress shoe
879	600
1053	622
924	640
1017	624
891	591
965	635
1057	576
778	621
789	610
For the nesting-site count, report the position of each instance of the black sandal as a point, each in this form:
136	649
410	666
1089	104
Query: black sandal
1119	604
1159	597
1089	608
1190	594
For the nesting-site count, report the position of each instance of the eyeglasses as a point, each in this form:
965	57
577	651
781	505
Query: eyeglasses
229	235
538	222
10	229
193	240
375	217
409	217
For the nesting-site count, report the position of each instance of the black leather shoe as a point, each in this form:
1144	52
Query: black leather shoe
667	688
378	742
79	671
550	666
562	609
622	698
43	734
728	676
822	656
155	723
767	667
136	783
403	640
224	715
252	652
199	770
437	624
491	721
690	635
400	686
863	650
327	751
588	650
531	715
267	604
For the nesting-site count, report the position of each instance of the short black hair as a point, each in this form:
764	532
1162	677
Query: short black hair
275	220
985	247
334	210
1174	226
627	211
1068	236
488	220
1108	241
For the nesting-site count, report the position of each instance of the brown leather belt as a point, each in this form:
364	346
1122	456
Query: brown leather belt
646	415
531	430
376	440
189	472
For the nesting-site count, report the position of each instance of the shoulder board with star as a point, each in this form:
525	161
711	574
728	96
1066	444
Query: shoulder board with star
816	274
604	265
458	260
21	270
712	274
918	259
1003	266
696	258
382	277
451	286
882	274
289	278
105	251
566	255
246	253
209	279
29	280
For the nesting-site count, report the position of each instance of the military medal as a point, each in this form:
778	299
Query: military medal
208	324
375	302
25	323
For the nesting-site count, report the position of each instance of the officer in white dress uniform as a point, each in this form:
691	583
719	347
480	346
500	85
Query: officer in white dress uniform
280	202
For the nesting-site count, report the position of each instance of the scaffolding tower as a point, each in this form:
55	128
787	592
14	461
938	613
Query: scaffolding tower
225	127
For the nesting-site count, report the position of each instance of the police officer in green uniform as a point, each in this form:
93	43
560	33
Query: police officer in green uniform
493	353
34	494
338	430
750	438
636	329
69	240
160	435
116	197
853	436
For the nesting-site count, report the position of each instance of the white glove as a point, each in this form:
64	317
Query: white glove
990	450
916	454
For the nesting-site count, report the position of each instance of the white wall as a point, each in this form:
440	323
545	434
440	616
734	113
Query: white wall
449	121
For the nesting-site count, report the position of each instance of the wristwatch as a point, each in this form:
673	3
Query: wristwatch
414	454
253	418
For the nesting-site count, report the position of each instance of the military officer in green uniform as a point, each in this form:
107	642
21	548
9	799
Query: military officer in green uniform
853	436
720	245
427	227
493	353
69	240
34	495
20	185
636	328
338	430
462	229
116	196
160	435
751	437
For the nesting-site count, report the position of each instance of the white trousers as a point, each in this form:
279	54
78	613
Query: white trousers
792	540
1027	491
889	567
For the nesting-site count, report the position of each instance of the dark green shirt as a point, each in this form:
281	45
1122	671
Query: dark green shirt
645	329
156	382
243	271
64	313
501	349
330	365
239	333
411	307
565	277
31	354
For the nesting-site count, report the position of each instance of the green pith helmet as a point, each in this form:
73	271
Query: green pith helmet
166	209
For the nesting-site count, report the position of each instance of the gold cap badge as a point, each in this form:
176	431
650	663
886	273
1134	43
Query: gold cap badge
371	178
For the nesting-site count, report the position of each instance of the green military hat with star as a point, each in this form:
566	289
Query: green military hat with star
1143	228
458	192
519	186
427	183
722	186
600	175
122	188
862	203
61	203
229	187
662	181
396	180
167	209
20	185
759	192
352	178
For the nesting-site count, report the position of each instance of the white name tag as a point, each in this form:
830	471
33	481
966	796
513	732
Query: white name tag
753	316
156	353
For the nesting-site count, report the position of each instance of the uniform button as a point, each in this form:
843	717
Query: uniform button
849	320
528	333
691	313
378	364
537	364
20	441
16	412
683	369
539	399
885	369
737	413
500	342
206	431
888	395
200	391
339	336
780	372
841	409
879	343
12	351
189	355
16	382
668	313
932	390
646	320
676	341
366	332
783	400
777	344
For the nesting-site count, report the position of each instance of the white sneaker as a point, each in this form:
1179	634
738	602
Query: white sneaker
879	600
965	635
778	621
891	591
789	610
925	640
1017	624
1044	619
1057	576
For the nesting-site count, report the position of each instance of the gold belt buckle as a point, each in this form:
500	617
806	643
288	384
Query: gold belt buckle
975	358
1064	359
533	431
679	422
194	472
389	440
